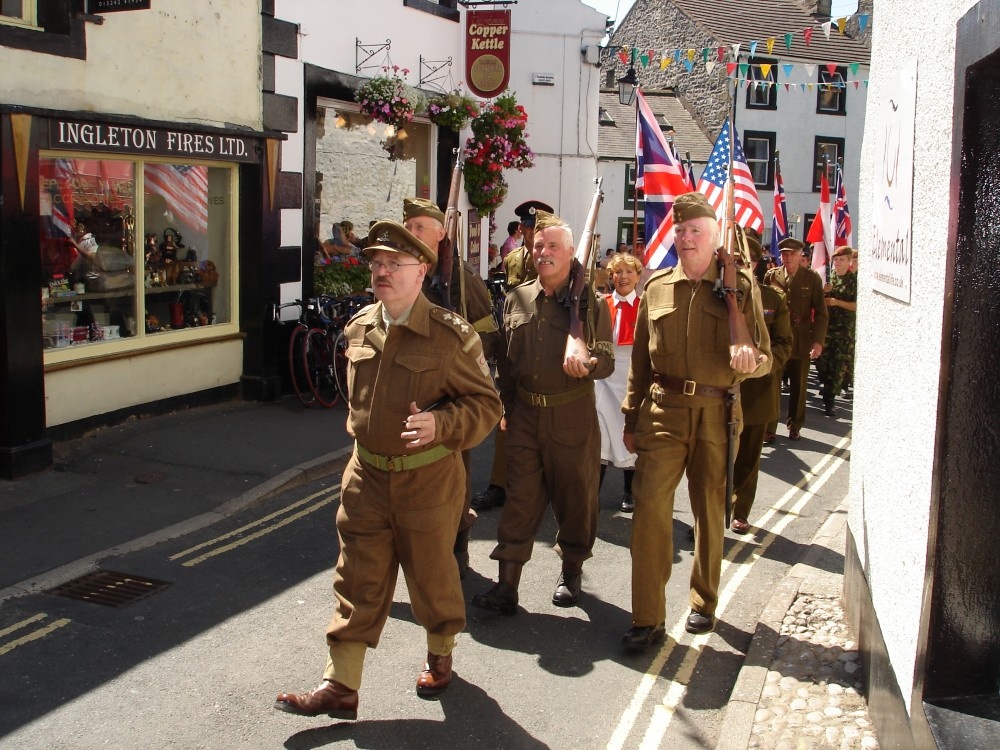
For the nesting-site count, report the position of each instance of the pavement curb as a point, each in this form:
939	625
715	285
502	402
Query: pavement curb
307	471
737	724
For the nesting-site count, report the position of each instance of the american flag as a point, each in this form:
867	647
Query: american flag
779	224
661	178
185	188
62	197
713	182
843	236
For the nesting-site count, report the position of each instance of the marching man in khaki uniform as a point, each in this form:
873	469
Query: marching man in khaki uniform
803	290
553	437
420	393
683	369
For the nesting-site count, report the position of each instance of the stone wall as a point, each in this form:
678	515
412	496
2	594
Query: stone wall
659	25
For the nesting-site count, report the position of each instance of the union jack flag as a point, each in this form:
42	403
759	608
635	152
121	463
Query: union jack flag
63	214
842	234
779	224
713	181
185	188
661	178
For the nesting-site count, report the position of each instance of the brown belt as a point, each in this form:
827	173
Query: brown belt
690	388
554	399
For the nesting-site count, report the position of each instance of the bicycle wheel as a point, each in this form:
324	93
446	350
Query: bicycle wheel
340	364
317	359
296	367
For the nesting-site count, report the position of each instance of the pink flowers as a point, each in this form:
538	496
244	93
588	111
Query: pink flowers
497	143
386	98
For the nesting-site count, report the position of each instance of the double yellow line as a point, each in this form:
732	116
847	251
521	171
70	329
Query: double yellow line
264	526
664	711
34	635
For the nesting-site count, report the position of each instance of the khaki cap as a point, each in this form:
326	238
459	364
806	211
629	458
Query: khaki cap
692	206
790	243
388	235
413	207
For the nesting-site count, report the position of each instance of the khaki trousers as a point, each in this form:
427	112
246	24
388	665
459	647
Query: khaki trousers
553	457
798	381
389	520
747	469
671	441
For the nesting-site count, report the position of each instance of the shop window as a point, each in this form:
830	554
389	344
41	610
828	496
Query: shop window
762	84
444	8
14	11
132	249
51	27
758	147
831	97
364	169
630	190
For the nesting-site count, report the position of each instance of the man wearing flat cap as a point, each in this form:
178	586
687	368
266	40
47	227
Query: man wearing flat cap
469	298
553	436
518	264
683	372
803	289
420	393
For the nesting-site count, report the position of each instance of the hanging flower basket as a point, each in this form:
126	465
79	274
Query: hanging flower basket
388	99
497	143
452	110
341	277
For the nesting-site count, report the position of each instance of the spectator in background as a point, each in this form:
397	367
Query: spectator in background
623	304
841	300
514	238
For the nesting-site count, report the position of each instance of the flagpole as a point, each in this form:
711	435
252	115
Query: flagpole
635	180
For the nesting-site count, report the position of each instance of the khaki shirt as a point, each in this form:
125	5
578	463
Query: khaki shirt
535	330
478	306
682	330
761	397
435	356
519	267
806	306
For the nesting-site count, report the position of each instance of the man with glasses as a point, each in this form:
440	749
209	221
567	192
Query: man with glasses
420	393
803	290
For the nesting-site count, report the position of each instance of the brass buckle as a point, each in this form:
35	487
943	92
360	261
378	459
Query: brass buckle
689	386
394	463
537	399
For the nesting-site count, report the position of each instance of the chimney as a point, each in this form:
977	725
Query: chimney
823	8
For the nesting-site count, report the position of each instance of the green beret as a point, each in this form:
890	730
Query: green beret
388	235
413	207
790	243
546	220
692	206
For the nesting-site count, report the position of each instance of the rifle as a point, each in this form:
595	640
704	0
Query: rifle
576	341
739	334
446	259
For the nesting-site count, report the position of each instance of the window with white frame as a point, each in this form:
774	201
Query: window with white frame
826	152
758	148
762	84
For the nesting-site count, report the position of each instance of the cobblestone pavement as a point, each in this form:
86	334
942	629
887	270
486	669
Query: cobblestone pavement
812	692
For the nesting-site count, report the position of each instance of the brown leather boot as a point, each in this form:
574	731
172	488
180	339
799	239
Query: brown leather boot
329	698
502	597
435	677
567	591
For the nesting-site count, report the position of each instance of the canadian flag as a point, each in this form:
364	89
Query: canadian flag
821	232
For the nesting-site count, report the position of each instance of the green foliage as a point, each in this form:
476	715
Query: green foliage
341	277
497	143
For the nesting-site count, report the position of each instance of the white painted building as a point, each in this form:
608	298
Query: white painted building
922	580
338	47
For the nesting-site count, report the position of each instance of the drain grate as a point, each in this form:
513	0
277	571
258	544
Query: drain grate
108	588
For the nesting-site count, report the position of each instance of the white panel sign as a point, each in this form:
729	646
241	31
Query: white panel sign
892	226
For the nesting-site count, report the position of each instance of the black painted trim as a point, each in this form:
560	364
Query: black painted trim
64	33
281	112
279	37
445	9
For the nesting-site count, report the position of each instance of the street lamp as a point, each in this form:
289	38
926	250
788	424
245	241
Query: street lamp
627	85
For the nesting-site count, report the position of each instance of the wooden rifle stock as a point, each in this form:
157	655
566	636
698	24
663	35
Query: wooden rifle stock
446	259
576	341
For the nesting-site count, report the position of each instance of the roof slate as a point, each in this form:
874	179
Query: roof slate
618	141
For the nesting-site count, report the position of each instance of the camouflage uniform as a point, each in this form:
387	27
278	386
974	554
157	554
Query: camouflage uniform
839	350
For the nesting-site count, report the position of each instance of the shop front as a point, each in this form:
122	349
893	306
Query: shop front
122	245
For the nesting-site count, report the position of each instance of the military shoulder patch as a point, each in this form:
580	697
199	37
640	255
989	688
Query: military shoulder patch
459	325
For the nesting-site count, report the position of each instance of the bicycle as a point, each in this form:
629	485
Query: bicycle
296	347
325	352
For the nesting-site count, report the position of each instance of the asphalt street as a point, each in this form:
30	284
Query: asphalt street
246	600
